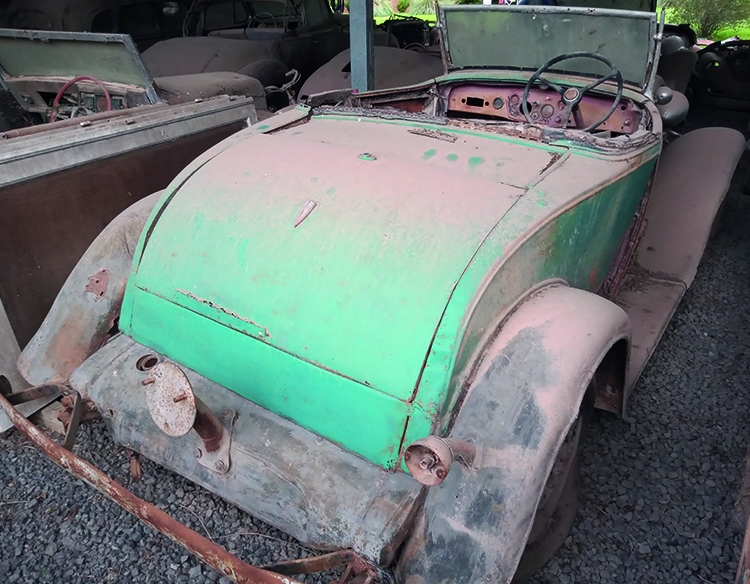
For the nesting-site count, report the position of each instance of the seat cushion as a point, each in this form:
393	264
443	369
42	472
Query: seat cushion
184	88
187	55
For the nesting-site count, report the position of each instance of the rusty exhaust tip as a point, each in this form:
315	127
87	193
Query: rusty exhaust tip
429	460
147	362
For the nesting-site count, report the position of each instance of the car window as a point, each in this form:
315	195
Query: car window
32	19
224	15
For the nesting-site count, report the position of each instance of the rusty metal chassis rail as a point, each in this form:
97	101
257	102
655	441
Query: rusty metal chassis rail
207	551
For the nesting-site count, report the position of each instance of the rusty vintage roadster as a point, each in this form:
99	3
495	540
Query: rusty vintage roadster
378	321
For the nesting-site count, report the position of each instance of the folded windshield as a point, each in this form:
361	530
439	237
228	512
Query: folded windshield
525	37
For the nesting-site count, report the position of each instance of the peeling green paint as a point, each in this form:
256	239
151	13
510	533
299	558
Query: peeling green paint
429	154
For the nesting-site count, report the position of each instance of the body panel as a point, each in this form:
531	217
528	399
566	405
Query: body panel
347	329
569	226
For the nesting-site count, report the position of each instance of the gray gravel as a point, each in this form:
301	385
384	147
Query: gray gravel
658	494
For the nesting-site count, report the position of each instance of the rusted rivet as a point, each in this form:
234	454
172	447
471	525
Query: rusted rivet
179	398
148	381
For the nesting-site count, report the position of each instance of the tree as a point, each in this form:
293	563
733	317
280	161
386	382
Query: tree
708	16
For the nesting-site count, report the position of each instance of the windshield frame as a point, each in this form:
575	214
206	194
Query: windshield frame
654	37
135	72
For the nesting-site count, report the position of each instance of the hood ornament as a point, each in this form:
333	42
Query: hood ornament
304	212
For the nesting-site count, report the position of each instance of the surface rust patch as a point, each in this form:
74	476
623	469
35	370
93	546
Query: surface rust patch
98	283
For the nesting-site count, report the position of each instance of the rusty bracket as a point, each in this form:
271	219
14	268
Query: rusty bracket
205	550
313	564
30	401
218	460
38	392
75	420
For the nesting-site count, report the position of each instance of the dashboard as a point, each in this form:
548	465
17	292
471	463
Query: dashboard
545	105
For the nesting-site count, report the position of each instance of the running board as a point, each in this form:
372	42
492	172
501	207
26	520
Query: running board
689	187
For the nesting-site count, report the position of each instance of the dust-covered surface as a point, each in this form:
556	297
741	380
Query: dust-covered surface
659	494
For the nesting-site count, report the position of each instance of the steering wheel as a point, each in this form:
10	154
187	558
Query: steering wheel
273	18
572	96
64	88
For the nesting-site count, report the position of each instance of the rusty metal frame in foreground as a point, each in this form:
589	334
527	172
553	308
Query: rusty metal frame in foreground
207	551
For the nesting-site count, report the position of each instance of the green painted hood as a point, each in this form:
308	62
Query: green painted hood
354	292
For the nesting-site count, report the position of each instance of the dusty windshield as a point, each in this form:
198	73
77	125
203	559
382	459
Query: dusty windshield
525	37
107	57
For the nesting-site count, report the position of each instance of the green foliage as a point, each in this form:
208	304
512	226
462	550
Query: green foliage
708	16
382	8
422	7
428	6
403	6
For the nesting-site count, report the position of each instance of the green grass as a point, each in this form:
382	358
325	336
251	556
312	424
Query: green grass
740	29
431	18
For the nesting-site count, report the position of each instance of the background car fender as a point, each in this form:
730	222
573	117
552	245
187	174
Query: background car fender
88	305
521	403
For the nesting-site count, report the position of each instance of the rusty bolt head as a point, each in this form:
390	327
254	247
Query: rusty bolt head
148	381
179	398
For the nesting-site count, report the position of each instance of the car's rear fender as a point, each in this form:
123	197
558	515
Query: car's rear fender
524	398
87	307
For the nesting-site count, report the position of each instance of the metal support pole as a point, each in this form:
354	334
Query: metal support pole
360	36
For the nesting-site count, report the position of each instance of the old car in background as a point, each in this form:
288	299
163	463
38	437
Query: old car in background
722	75
146	21
256	37
393	68
112	140
378	322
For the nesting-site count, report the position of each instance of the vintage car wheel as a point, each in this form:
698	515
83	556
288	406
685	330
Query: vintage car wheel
558	504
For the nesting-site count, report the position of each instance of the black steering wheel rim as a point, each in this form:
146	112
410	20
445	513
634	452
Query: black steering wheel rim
572	103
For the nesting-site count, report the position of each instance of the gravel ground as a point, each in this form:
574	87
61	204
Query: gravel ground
659	493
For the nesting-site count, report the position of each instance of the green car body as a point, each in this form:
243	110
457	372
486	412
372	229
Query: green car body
362	309
402	301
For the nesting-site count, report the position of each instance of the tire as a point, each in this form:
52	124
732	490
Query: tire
558	504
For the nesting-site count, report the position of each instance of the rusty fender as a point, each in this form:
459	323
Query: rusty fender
207	551
86	308
524	398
